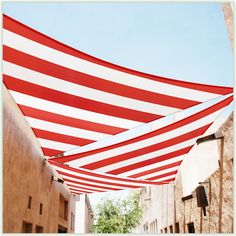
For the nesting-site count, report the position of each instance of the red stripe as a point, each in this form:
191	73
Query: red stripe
50	152
74	187
147	172
61	137
79	191
167	128
25	31
76	192
90	185
162	182
95	181
163	175
74	101
145	150
69	121
150	161
167	181
104	176
57	71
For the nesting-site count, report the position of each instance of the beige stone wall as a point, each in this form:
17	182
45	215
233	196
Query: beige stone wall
165	203
88	216
187	211
25	173
229	20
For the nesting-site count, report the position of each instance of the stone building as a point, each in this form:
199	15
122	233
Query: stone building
167	210
84	214
228	10
32	200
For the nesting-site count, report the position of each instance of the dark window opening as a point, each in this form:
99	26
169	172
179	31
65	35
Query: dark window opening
72	221
171	229
156	225
41	209
145	227
161	231
61	229
177	227
165	230
77	197
27	227
38	229
191	228
63	210
29	202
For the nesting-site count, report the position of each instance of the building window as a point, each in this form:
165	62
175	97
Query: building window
165	230
27	227
177	228
41	209
63	210
77	197
191	228
171	229
72	223
156	226
38	229
66	210
145	227
29	202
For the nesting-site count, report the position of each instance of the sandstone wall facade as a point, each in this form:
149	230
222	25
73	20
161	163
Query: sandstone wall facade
228	10
31	200
165	205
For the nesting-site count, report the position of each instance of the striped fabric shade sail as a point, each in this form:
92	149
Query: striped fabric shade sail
71	99
153	157
85	181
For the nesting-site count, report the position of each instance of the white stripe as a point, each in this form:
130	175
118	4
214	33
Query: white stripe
63	129
87	183
144	143
45	143
120	137
166	178
102	178
80	185
147	156
69	111
81	191
145	128
161	172
33	48
82	91
150	167
88	186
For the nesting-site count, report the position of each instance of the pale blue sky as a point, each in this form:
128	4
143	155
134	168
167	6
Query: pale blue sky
185	41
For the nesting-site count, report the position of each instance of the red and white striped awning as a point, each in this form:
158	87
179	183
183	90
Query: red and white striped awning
84	181
71	99
155	156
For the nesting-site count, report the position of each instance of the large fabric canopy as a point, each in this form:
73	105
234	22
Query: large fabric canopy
71	99
155	156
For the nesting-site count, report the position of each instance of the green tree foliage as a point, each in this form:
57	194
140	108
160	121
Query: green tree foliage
117	216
